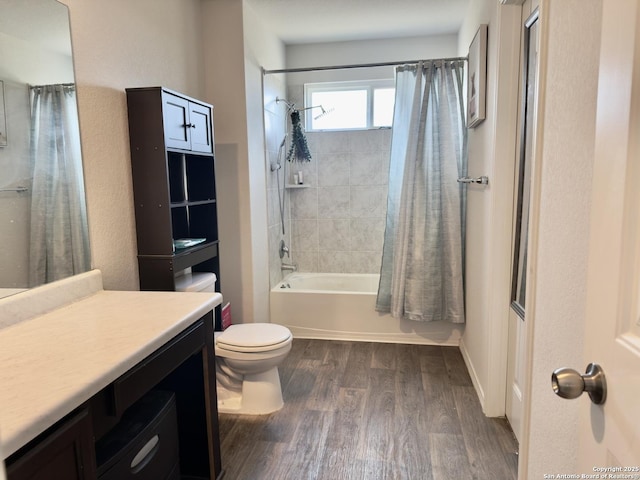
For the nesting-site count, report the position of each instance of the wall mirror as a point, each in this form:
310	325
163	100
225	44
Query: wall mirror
527	122
43	222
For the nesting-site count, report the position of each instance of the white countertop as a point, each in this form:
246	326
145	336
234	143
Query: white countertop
52	363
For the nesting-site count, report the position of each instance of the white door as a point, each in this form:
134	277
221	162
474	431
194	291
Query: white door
610	434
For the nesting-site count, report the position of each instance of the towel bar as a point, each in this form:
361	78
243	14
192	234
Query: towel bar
481	180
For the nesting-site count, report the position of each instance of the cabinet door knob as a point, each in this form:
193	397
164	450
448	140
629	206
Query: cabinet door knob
189	125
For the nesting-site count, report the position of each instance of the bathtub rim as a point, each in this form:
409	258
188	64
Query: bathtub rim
287	290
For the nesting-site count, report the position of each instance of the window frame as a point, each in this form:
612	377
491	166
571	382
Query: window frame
369	85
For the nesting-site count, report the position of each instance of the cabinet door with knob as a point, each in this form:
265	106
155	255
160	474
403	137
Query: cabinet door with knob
65	452
187	124
200	128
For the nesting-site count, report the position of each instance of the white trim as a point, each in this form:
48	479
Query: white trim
505	111
473	374
532	249
443	337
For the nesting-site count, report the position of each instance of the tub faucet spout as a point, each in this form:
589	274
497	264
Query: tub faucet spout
289	266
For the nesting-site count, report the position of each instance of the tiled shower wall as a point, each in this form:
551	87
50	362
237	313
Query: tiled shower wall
335	223
338	222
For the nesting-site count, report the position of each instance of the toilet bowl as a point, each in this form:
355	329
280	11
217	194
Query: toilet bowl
247	359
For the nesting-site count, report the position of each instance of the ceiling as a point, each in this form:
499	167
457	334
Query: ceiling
317	21
43	22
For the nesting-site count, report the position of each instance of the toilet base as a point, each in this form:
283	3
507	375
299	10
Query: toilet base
261	394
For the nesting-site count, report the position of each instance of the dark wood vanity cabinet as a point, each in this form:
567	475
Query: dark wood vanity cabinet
173	170
185	367
64	452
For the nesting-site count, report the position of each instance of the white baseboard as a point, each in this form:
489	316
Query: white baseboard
472	373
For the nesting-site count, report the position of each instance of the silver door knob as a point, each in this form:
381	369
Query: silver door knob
567	383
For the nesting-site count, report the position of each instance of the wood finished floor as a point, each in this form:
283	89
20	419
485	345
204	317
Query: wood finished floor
370	411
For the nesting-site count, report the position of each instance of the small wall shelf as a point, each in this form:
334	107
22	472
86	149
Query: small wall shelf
294	186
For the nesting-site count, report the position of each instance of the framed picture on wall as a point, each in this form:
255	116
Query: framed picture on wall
3	118
477	78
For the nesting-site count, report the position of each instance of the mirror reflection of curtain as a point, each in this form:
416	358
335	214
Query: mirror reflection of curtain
59	244
423	254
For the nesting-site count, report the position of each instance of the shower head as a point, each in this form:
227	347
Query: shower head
323	113
276	165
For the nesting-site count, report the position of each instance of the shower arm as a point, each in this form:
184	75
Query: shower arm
309	108
292	107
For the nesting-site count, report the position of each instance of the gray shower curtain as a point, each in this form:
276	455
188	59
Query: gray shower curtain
422	272
59	243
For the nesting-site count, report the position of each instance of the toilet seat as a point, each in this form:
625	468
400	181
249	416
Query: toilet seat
253	338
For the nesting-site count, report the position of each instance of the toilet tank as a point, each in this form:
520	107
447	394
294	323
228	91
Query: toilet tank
196	282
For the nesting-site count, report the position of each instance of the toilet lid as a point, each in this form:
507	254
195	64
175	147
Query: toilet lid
253	337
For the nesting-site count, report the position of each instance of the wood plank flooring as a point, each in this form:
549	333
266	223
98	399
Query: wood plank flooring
370	411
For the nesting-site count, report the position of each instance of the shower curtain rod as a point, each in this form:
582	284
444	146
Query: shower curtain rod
360	65
54	84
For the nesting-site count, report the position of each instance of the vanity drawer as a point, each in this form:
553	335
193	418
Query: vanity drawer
144	444
148	373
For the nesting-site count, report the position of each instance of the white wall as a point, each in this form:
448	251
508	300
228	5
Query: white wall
120	44
225	89
261	48
234	86
364	51
371	51
123	44
33	63
569	58
489	209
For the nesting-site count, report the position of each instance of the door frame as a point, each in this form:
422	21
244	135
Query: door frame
517	324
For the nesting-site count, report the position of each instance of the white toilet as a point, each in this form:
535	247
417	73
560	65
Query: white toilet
247	358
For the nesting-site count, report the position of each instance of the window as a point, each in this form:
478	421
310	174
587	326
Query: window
349	105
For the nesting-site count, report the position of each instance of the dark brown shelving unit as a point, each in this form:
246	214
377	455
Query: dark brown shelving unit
174	185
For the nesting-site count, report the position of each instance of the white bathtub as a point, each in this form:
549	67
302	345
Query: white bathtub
342	307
